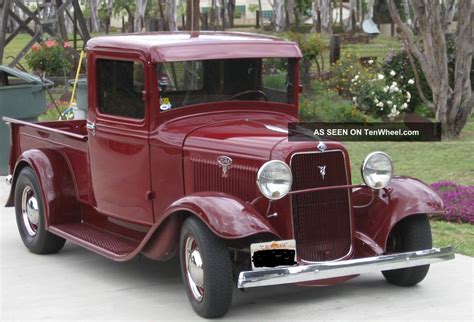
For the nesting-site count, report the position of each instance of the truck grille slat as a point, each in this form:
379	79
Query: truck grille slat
322	219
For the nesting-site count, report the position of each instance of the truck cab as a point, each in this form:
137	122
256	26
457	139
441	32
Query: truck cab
185	152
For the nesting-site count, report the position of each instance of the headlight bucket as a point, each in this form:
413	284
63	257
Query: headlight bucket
274	179
377	170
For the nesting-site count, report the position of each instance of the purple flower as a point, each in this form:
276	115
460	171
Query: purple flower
458	200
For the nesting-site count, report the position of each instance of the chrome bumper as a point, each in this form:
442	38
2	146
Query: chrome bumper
312	272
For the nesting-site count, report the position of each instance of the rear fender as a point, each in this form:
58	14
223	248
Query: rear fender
227	217
56	183
403	197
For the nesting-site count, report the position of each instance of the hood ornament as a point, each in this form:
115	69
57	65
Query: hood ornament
321	146
322	170
225	164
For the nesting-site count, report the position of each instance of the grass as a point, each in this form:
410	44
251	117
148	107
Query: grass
461	236
429	161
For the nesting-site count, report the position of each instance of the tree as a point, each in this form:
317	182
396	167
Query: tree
279	15
139	21
452	101
170	16
325	14
129	7
192	15
94	7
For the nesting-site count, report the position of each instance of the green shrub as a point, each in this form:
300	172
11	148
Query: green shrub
328	106
400	64
49	57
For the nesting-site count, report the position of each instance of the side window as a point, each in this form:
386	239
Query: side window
120	87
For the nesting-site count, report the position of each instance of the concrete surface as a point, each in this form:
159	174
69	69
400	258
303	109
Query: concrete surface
77	284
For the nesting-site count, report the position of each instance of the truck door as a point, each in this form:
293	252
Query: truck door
118	137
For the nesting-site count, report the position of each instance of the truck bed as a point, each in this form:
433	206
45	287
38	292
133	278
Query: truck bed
68	138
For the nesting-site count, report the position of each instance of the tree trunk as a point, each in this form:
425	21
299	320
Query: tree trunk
225	14
326	16
315	15
139	22
192	15
170	15
406	10
214	15
4	6
370	9
94	7
280	15
230	12
451	105
352	12
305	75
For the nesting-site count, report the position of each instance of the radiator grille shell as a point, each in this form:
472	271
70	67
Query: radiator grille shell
322	219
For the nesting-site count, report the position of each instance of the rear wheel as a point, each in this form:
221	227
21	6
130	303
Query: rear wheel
206	269
30	216
411	234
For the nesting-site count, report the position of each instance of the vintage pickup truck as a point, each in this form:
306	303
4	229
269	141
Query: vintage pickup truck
185	152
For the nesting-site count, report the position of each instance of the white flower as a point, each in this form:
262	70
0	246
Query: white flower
401	77
389	103
354	99
372	93
408	95
376	101
404	106
355	78
380	104
385	89
370	62
380	76
392	73
393	113
394	84
411	81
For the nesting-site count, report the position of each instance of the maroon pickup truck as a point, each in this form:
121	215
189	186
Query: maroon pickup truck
185	152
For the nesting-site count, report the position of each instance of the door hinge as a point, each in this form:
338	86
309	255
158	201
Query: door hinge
149	195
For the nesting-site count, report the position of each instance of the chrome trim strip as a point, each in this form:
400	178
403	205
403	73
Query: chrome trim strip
305	273
9	179
351	215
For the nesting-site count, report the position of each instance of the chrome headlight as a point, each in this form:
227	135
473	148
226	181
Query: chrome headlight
377	170
274	179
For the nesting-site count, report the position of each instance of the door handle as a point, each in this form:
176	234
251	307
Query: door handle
91	127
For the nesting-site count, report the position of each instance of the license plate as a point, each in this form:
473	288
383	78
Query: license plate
273	254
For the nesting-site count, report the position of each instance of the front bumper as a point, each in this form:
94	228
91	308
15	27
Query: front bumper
312	272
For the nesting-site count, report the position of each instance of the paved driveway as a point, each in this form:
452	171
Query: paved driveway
78	284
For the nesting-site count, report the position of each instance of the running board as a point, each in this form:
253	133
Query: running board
105	243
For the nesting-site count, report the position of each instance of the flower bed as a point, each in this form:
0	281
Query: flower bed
458	200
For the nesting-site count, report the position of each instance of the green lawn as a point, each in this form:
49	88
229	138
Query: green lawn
429	161
461	236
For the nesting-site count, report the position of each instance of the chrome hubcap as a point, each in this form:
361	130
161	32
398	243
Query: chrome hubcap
30	211
194	268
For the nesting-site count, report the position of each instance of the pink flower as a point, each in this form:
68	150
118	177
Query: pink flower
67	44
50	43
35	47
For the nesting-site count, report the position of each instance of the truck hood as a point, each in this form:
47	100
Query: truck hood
250	136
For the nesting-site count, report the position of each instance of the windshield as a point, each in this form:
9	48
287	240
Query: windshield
203	81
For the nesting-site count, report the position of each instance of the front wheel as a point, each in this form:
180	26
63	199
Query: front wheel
411	234
206	269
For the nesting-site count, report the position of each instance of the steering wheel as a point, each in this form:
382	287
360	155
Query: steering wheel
258	92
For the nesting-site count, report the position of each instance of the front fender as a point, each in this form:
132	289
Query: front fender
403	197
227	216
55	180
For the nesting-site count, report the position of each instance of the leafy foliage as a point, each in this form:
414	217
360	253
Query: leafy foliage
49	57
